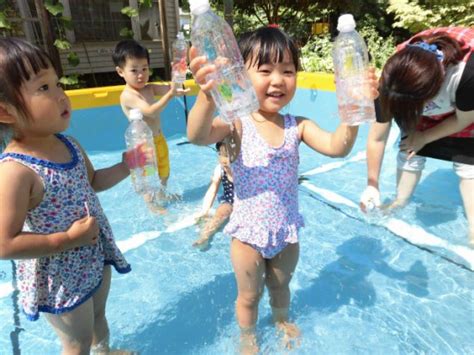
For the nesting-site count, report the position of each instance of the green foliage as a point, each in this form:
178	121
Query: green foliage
70	81
63	23
62	44
54	8
417	15
380	49
73	59
126	32
146	3
4	23
66	22
129	11
316	55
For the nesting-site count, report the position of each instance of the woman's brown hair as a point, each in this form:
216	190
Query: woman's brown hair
413	76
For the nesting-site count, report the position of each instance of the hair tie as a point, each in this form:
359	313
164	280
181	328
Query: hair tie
432	48
273	25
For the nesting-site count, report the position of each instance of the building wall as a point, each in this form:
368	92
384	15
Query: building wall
96	56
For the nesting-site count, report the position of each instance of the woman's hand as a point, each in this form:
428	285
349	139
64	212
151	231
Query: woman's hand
412	143
201	69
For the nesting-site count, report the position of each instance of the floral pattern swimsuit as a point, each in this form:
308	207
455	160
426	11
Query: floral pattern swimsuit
265	213
60	282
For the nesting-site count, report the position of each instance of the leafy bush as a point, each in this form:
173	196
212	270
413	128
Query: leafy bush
316	55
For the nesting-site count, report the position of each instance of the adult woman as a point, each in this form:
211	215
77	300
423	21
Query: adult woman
427	86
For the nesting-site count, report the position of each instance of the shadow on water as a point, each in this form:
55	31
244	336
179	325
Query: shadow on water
437	207
344	281
195	194
192	322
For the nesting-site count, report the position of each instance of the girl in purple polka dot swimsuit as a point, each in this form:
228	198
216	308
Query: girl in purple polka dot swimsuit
265	220
51	220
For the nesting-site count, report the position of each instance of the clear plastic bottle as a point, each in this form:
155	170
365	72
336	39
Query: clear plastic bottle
180	53
351	62
139	140
233	92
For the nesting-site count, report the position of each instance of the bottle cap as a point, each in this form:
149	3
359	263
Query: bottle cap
135	114
199	6
346	23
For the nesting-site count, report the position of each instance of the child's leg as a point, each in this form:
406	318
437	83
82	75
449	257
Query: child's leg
222	214
249	269
467	192
100	341
466	186
408	176
75	328
279	272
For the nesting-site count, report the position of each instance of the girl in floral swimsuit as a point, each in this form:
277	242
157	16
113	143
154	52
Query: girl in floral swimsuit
265	220
50	216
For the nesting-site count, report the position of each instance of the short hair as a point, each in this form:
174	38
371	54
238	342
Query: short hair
129	48
268	45
19	61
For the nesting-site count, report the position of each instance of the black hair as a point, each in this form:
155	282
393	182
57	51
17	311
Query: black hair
129	48
271	43
19	61
413	76
219	145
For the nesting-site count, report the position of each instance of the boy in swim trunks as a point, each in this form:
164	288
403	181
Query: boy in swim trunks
132	63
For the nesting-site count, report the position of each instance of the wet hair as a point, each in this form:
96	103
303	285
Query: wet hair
19	61
413	76
128	49
268	45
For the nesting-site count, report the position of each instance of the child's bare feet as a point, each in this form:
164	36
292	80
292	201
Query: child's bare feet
291	335
248	342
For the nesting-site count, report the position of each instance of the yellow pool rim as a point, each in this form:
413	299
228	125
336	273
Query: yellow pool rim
110	95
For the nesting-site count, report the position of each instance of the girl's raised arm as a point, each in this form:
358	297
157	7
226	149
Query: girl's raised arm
202	128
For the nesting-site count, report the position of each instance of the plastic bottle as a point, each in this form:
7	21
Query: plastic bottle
180	52
351	62
139	140
233	92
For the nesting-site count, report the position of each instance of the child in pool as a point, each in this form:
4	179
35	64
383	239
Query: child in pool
222	174
50	216
265	220
132	64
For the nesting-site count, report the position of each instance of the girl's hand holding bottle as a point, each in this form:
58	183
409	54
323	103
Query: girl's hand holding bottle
200	71
84	231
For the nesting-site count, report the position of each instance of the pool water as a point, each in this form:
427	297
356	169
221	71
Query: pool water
380	284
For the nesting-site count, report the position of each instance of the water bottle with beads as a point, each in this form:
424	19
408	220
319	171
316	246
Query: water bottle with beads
233	92
141	156
351	62
179	65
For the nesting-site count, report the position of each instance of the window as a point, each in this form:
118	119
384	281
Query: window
98	20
